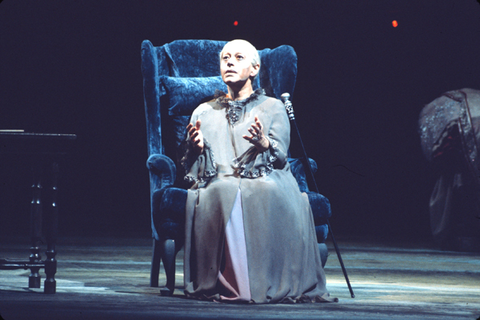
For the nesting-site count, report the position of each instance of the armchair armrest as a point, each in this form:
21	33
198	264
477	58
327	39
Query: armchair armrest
162	171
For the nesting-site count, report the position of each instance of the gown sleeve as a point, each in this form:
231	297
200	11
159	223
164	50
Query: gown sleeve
252	163
199	168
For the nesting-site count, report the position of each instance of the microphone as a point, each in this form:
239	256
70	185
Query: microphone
288	105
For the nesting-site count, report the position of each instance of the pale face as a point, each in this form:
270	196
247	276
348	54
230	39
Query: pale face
236	65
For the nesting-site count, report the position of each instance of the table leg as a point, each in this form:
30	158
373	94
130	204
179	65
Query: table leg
35	230
52	229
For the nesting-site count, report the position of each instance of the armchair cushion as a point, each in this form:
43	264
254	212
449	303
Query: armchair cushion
185	94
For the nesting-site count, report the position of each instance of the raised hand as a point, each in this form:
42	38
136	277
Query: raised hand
196	136
257	137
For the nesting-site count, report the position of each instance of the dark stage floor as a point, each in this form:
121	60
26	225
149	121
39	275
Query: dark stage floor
107	278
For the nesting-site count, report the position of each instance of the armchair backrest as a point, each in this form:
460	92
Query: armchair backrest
180	75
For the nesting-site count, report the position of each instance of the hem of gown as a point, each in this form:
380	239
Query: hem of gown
325	298
216	298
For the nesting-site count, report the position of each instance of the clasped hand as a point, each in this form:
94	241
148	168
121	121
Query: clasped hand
257	137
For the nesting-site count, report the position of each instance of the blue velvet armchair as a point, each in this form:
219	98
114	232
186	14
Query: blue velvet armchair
177	77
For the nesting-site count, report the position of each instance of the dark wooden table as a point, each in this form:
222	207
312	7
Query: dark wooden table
43	152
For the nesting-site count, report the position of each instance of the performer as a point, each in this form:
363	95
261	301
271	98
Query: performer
249	230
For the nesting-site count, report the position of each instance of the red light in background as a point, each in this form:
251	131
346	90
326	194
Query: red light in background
394	23
235	23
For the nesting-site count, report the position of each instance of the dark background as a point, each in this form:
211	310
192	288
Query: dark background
74	67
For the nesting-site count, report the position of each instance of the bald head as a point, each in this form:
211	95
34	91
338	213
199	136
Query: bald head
245	47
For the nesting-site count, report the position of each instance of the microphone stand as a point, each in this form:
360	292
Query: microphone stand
288	106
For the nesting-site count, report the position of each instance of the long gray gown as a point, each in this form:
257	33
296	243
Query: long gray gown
282	258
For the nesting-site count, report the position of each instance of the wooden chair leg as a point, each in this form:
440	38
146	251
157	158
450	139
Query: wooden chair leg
168	258
156	256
